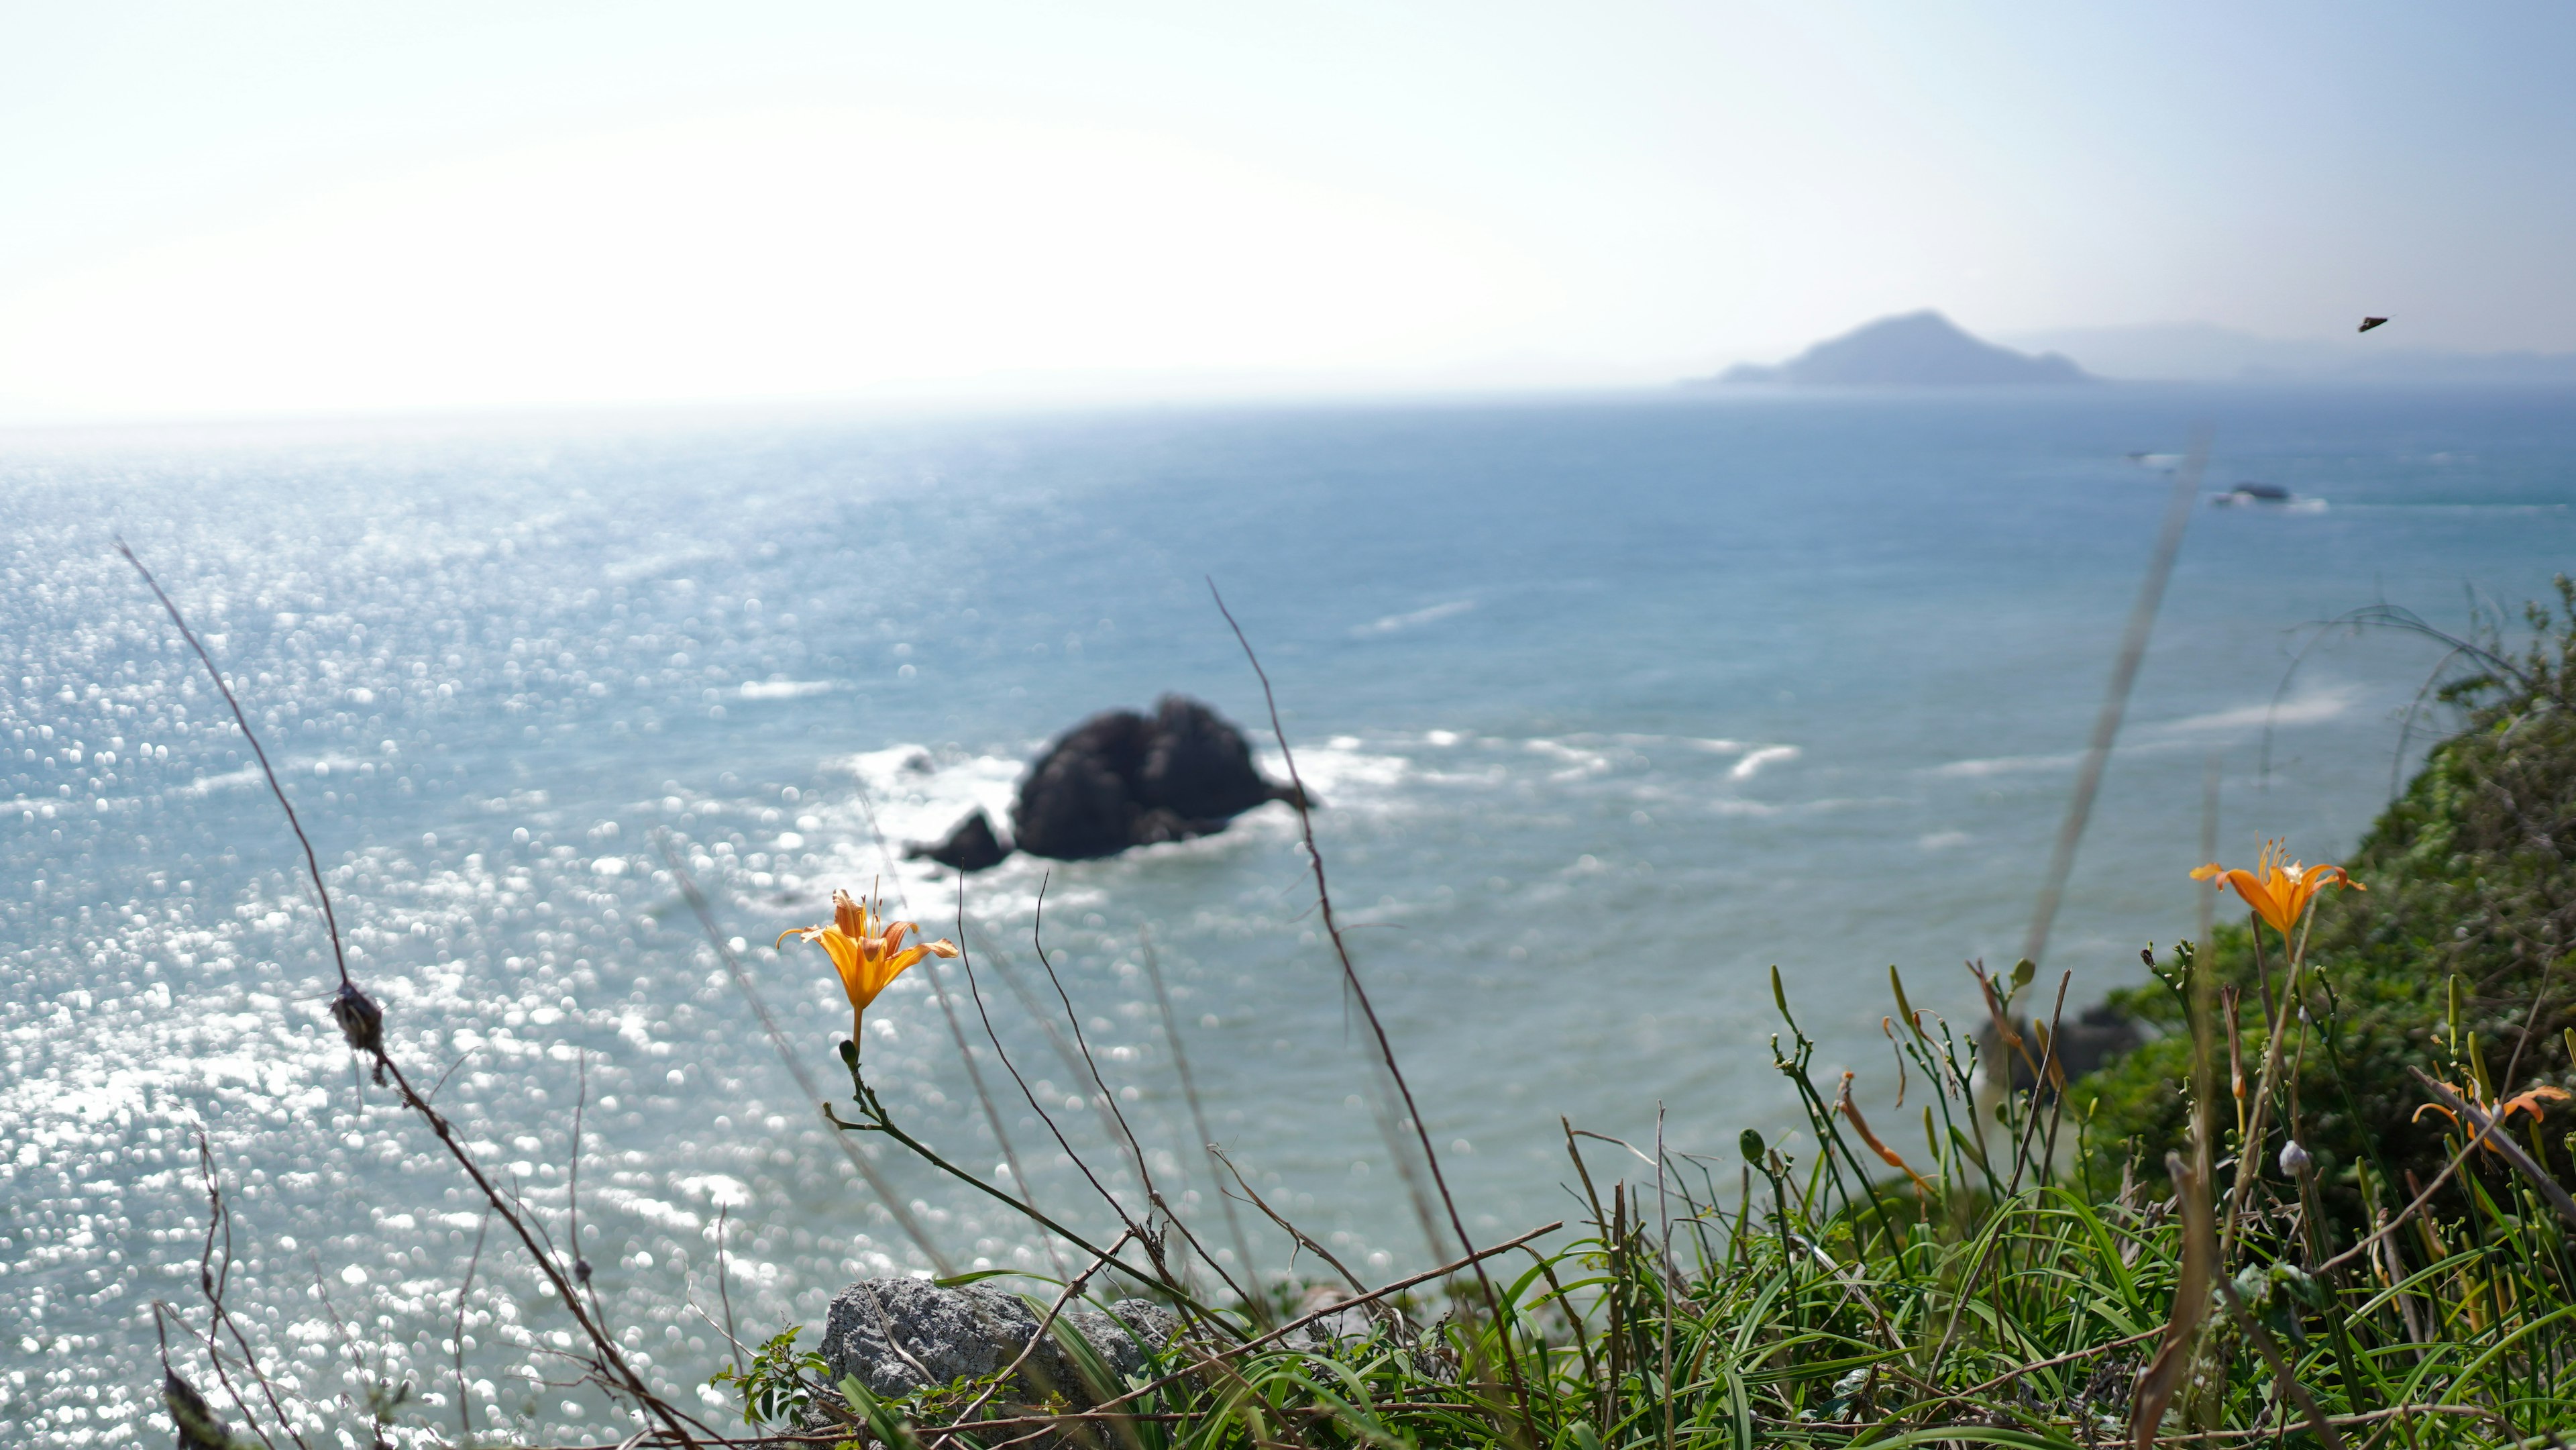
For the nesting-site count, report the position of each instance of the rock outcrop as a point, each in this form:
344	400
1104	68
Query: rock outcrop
900	1335
2097	1035
1122	779
971	847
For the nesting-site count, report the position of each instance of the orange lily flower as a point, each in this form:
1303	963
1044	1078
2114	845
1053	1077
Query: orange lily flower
867	950
2527	1102
2278	892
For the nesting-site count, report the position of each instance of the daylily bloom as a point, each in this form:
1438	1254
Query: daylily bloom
867	950
2278	892
2527	1101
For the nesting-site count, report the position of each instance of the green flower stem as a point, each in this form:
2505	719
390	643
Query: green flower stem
2249	1153
878	1122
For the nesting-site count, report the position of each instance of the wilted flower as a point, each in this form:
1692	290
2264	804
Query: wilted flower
1851	1113
363	1023
867	950
2278	892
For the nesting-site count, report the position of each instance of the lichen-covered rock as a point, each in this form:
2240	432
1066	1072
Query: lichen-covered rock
900	1335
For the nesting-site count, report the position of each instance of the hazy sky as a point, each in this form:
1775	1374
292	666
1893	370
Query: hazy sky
285	209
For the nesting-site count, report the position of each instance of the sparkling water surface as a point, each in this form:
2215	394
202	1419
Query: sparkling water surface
1612	704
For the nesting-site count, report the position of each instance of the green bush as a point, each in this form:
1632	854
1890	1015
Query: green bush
2454	961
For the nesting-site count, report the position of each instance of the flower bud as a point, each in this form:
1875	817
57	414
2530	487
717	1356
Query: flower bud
2295	1162
362	1022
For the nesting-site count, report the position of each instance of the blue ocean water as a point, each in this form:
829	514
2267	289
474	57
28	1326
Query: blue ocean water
1613	703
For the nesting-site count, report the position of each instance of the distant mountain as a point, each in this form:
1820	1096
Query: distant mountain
1917	350
2201	352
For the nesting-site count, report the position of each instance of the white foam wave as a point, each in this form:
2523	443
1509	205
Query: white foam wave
248	775
1350	771
722	1190
2314	707
784	689
2309	708
2008	765
1432	615
1754	760
1577	762
915	796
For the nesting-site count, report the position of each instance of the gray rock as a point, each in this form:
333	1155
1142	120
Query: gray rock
900	1335
1122	779
1334	1331
2084	1045
970	847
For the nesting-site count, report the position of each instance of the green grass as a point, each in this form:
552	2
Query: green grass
2008	1272
1811	1302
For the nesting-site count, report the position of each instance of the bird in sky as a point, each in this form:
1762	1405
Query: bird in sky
2368	323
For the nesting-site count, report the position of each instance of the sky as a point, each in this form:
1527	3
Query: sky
281	209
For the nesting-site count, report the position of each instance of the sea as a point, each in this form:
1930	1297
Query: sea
1613	705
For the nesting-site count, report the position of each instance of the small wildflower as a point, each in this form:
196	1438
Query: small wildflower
2278	892
2527	1102
2295	1162
867	950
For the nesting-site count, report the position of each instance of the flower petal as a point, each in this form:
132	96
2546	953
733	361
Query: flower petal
2257	893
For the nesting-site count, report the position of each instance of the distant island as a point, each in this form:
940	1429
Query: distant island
1917	350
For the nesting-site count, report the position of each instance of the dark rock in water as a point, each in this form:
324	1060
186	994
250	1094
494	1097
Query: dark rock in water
900	1335
1121	779
2084	1045
1198	766
2251	494
970	847
1075	802
2089	1042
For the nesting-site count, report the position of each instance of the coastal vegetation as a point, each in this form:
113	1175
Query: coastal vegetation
2457	964
2320	1207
